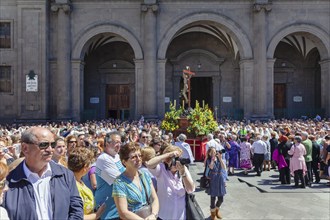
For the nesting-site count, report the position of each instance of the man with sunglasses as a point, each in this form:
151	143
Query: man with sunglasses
38	187
108	167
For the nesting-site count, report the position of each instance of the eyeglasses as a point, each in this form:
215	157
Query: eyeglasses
144	137
3	184
134	157
71	142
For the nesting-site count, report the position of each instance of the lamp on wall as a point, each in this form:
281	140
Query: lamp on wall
114	65
199	65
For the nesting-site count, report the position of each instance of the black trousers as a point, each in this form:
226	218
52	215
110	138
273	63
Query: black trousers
219	202
315	169
285	177
258	160
298	174
308	176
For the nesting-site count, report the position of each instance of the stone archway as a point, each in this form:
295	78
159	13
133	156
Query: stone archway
91	31
322	42
77	60
228	25
320	38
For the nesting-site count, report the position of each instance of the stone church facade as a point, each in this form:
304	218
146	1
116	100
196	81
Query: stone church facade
84	59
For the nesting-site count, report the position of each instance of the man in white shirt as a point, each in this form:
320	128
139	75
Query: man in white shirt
38	187
259	149
108	167
185	147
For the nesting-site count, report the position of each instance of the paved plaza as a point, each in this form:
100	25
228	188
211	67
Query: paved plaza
252	197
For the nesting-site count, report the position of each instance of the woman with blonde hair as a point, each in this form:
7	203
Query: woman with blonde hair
173	182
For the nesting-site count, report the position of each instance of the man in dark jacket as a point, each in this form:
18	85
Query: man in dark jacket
38	187
316	150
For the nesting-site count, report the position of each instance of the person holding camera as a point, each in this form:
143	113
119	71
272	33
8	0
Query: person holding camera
173	181
217	182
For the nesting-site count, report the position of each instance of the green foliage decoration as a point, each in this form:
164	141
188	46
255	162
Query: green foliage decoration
171	120
201	120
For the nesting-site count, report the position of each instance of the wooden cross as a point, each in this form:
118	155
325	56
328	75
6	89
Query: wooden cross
187	74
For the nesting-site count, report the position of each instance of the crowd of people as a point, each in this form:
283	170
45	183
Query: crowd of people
134	170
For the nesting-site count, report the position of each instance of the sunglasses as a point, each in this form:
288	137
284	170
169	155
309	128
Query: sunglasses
144	137
44	145
3	184
70	142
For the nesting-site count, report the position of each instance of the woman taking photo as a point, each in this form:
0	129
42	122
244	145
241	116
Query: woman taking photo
173	181
217	183
133	189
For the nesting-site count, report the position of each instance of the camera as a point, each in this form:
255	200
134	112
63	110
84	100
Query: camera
4	150
222	151
183	161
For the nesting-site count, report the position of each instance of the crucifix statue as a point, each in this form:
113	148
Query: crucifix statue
187	74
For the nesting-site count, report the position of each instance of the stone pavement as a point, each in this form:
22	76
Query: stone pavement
253	197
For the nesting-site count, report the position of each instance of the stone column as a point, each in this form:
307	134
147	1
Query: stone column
161	88
260	49
270	87
216	92
139	93
63	76
176	89
150	65
247	87
325	88
77	89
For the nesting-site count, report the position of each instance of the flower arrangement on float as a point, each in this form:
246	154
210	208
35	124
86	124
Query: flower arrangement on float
200	119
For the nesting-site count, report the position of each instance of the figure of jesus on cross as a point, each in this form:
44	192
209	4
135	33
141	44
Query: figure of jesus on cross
187	74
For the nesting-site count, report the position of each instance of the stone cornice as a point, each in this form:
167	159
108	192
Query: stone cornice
146	7
67	8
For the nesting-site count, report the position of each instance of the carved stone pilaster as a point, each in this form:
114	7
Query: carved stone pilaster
67	8
257	7
145	7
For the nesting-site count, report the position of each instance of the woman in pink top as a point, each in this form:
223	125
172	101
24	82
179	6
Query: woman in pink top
297	162
173	181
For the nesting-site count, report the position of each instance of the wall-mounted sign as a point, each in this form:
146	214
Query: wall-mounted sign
94	100
297	98
227	99
167	99
31	82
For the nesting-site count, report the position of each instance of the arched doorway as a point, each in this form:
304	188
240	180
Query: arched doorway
109	78
212	54
297	78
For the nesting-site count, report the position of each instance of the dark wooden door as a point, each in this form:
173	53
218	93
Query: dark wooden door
117	100
280	96
201	90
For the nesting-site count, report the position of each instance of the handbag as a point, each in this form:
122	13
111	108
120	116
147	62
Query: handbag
193	210
204	182
146	209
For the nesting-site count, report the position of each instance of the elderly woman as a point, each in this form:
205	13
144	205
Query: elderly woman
133	189
79	162
173	181
297	162
3	189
